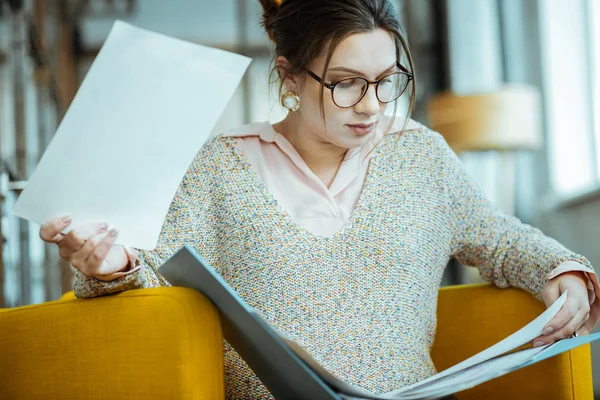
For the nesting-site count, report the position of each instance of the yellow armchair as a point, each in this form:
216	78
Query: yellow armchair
165	343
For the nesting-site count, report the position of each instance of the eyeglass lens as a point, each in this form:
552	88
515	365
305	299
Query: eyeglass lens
349	92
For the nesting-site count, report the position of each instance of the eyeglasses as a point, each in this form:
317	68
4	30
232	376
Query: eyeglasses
348	92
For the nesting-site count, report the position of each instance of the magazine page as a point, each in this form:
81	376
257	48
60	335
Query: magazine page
517	339
472	376
494	368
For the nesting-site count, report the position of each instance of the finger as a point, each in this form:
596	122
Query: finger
50	231
76	238
570	328
79	258
564	316
97	256
132	254
566	331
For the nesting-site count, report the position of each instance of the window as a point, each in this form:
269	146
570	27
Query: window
594	25
567	75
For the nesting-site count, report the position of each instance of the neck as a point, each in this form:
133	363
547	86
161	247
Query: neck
320	156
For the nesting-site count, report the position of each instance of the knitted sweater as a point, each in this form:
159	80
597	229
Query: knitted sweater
363	301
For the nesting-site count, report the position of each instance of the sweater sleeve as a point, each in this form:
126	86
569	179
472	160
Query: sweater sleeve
506	251
185	218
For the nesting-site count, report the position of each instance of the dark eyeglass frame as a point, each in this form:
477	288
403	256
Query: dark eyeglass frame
333	84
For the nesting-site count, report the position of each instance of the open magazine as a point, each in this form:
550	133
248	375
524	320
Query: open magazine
290	372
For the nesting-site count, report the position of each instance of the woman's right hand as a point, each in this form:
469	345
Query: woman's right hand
88	247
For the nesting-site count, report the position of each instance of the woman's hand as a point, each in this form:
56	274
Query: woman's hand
89	248
573	314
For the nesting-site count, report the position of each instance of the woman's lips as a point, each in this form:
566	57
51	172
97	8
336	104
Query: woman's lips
362	129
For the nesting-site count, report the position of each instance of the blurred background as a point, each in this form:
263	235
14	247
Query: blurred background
513	85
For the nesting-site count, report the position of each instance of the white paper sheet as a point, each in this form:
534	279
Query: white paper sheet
145	108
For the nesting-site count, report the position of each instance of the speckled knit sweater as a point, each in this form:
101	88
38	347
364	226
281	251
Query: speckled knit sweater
362	302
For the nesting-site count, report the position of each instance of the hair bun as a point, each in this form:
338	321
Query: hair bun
270	8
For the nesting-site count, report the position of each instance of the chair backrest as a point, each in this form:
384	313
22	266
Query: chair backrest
473	317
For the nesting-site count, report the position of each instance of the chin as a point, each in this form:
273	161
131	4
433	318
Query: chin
353	141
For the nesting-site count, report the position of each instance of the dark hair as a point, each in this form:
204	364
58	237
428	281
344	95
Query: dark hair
304	29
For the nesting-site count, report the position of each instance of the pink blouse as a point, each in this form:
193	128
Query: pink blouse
319	209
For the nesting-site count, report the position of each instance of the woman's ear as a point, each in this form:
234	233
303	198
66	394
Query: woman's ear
290	81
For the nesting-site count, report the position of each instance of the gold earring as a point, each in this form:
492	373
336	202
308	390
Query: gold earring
291	101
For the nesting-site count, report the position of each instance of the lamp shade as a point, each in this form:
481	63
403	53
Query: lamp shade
506	119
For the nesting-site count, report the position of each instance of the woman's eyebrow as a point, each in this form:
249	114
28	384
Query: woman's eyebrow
353	71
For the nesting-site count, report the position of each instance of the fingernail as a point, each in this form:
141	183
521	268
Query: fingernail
548	330
66	218
538	343
113	232
103	227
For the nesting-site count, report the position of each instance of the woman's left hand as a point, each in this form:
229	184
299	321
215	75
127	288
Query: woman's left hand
573	314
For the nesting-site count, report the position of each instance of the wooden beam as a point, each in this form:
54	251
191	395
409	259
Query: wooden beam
251	51
41	73
67	76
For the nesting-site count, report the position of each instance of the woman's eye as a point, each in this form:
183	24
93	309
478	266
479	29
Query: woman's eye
349	83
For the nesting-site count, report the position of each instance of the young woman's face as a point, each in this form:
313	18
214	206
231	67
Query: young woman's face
370	55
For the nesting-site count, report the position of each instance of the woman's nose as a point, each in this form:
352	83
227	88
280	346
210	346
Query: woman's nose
369	104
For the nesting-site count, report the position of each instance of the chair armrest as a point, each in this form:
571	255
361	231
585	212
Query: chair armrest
474	317
160	343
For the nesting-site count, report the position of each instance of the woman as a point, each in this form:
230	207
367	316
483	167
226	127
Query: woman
337	222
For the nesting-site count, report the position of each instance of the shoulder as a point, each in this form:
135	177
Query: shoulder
220	151
401	124
256	131
414	136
